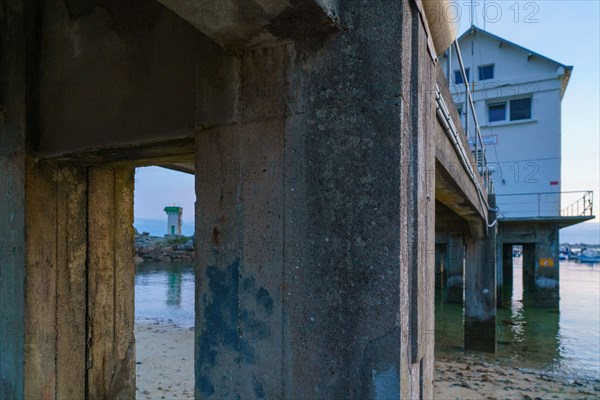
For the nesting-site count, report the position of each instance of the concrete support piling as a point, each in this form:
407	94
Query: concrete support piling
308	284
480	291
505	274
455	256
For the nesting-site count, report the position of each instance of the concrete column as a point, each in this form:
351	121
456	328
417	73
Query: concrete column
529	257
541	268
315	220
505	272
440	266
454	269
13	128
480	291
110	284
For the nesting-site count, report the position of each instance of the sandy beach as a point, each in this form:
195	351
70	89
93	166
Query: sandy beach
165	361
468	377
165	355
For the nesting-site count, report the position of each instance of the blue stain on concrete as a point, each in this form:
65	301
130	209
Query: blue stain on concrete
220	322
228	326
264	299
387	384
259	390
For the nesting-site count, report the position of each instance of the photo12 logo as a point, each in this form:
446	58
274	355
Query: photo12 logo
483	11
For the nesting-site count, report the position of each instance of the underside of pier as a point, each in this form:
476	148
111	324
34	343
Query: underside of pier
311	129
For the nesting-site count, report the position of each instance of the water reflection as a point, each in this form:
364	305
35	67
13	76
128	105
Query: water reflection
165	291
564	340
174	289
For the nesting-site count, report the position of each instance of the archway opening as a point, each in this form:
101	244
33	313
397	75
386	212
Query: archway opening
164	202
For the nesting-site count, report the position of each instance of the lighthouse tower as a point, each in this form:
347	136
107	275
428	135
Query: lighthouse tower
173	220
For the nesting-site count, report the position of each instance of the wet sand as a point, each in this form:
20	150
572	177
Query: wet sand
165	361
166	354
469	377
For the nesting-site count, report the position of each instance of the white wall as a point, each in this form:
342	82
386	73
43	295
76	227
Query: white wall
526	153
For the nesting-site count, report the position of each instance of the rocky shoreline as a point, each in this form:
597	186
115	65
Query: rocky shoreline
163	249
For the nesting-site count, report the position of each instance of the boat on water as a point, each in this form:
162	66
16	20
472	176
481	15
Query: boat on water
589	256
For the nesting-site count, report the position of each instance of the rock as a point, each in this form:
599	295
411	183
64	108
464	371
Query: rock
138	260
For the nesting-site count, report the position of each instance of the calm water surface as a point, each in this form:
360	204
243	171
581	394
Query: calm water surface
564	341
165	292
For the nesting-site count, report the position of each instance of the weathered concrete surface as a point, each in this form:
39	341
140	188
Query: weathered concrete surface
540	259
114	73
110	298
315	219
480	291
55	276
454	188
13	126
236	24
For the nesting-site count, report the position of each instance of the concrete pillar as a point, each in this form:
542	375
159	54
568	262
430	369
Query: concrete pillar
455	269
529	257
315	220
440	265
110	284
77	306
541	267
480	291
505	275
13	128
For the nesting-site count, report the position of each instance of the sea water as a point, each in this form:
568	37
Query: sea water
564	341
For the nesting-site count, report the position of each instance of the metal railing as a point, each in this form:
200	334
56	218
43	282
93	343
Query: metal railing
477	146
546	204
583	206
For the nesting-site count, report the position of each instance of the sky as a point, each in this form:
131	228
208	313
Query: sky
566	31
156	188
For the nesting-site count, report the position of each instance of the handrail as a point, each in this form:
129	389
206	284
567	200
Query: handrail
582	207
449	127
480	155
587	204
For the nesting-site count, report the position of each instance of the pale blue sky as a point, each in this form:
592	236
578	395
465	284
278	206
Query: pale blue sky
566	31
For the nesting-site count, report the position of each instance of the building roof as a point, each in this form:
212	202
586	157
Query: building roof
567	68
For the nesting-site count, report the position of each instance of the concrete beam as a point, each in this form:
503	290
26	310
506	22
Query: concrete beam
454	188
239	24
115	74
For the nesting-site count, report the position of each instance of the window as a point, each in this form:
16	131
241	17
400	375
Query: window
458	76
486	72
520	109
497	112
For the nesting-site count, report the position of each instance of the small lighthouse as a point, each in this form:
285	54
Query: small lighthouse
173	220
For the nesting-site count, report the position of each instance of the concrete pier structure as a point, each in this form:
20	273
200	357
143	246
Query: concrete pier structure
317	135
540	259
